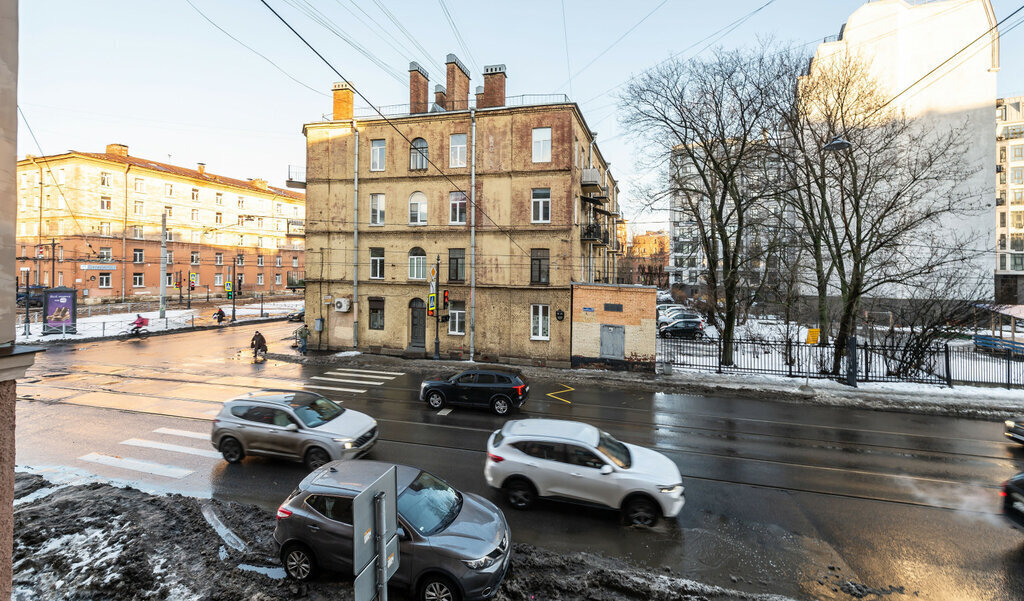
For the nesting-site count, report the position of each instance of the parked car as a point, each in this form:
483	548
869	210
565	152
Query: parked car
291	424
575	461
35	297
452	546
1014	429
1013	501
299	315
501	391
686	327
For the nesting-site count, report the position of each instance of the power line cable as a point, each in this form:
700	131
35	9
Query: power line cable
379	31
458	36
568	64
405	32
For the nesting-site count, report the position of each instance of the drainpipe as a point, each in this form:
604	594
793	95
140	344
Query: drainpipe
472	236
124	234
355	243
590	160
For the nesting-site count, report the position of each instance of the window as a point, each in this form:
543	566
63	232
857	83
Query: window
137	231
218	279
104	280
1002	261
295	261
338	509
376	314
1017	152
1018	262
457	201
105	179
241	202
106	255
105	228
456	264
540	265
218	199
1017	219
1002	241
457	318
376	263
218	218
60	177
259	223
277	279
550	451
376	155
259	260
140	185
195	194
540	321
417	264
240	260
169	211
376	209
170	257
138	255
582	457
168	189
241	220
218	259
277	262
137	280
140	207
417	155
259	279
542	145
457	150
169	236
417	209
541	205
195	214
240	279
1018	197
1002	218
1017	175
194	260
104	203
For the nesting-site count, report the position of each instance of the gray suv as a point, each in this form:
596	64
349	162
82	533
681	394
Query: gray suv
452	546
291	424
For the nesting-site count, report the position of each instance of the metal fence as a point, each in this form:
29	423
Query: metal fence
962	362
105	328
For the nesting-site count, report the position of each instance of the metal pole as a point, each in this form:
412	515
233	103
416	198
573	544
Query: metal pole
437	314
472	236
163	264
234	293
53	263
382	585
190	290
355	242
180	292
949	373
261	305
28	299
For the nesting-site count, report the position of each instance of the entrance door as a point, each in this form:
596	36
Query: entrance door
418	319
613	342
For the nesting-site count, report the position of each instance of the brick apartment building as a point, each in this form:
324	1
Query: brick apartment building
380	216
92	221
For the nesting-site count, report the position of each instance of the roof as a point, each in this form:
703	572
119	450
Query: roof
188	173
552	428
277	395
354	476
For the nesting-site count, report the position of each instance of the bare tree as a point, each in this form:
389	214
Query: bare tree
709	117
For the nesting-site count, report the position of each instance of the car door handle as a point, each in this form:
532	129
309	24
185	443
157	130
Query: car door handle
575	475
314	528
531	464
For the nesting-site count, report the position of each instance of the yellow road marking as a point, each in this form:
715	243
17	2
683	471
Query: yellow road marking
555	394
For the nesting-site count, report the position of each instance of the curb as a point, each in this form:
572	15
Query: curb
73	341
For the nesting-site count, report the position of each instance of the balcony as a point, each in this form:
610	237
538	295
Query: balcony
592	232
590	182
296	279
296	177
1000	201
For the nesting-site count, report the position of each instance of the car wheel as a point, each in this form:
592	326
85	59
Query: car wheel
299	562
435	399
520	493
231	449
500	405
640	511
316	457
438	588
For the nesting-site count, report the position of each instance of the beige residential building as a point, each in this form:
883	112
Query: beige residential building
1010	200
92	221
388	200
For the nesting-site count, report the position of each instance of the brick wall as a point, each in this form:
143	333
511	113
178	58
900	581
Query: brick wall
594	305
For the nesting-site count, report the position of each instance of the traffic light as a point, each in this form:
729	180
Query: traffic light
445	306
231	295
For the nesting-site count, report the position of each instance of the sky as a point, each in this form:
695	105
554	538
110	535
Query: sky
233	88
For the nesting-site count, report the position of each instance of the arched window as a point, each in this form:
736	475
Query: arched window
418	208
417	264
418	154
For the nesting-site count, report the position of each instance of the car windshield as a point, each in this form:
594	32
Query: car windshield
614	450
429	504
315	410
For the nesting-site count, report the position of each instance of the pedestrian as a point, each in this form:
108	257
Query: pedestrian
219	315
303	334
258	344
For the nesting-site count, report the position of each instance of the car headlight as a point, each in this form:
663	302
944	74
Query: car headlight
479	564
671	488
345	442
1010	423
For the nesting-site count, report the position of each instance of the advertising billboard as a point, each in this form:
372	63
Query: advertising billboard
60	311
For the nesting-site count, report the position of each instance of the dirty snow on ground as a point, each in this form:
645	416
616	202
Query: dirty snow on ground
96	541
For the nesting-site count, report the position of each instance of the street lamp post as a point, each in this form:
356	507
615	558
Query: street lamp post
839	144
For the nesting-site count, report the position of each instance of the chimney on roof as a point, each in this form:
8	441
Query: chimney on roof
479	96
494	86
259	183
458	84
120	150
201	167
343	97
440	96
419	89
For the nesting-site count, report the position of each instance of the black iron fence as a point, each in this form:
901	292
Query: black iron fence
975	362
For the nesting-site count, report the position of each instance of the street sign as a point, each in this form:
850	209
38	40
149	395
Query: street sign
431	303
375	536
433	272
433	287
227	286
812	335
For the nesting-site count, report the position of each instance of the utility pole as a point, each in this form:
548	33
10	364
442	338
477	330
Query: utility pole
180	284
53	263
234	293
163	265
437	314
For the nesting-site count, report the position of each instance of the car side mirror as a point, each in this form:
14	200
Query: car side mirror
401	533
606	469
292	428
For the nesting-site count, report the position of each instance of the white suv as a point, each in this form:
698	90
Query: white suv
574	461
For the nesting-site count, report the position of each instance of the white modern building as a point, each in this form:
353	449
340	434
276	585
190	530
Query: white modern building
1010	200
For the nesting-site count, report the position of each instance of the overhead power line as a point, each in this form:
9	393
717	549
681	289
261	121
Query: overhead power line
568	64
415	42
458	36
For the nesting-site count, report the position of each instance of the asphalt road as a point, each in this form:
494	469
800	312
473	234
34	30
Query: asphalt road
810	502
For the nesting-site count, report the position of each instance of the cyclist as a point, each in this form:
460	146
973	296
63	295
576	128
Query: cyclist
138	323
258	344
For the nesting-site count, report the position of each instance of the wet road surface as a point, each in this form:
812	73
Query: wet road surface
780	498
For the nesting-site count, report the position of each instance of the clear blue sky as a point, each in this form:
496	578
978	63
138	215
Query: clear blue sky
160	78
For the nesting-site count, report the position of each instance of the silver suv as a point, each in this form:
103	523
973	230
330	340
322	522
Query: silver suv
291	424
452	545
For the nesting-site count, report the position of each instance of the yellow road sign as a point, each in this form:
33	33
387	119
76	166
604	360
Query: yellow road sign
812	335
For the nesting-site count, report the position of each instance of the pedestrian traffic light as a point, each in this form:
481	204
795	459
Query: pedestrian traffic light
445	306
231	295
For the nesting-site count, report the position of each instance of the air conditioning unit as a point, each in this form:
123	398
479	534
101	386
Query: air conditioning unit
342	305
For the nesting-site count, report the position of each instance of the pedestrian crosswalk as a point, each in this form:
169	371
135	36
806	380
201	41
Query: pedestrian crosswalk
190	447
330	380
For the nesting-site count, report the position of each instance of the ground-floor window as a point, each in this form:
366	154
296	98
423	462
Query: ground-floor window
259	279
457	318
137	280
218	279
104	280
540	322
376	314
277	279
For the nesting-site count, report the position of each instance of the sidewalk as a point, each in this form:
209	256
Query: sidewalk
960	401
